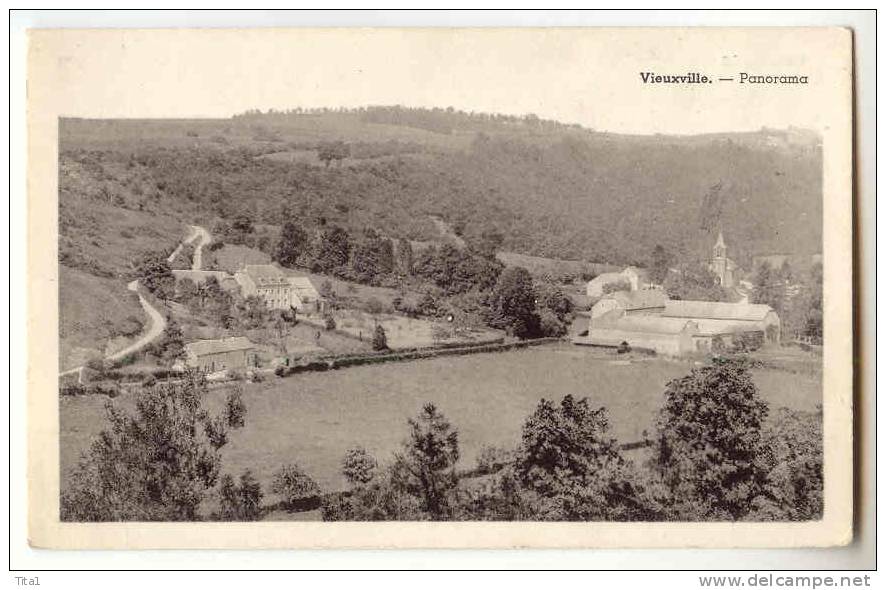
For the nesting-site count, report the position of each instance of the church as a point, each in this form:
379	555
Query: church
721	265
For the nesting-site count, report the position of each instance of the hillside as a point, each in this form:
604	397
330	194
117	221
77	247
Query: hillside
551	192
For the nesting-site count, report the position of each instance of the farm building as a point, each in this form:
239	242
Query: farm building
278	291
727	318
667	336
631	276
644	301
218	355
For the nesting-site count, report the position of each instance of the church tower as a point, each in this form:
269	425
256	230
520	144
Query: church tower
720	264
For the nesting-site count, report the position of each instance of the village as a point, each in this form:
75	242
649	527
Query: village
622	311
314	307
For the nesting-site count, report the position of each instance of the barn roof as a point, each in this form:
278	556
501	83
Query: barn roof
616	320
204	347
716	310
642	299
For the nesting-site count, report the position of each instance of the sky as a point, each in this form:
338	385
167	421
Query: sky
585	76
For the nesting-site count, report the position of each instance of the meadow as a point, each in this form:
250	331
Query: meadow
313	418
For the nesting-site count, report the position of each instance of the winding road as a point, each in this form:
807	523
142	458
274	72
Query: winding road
156	319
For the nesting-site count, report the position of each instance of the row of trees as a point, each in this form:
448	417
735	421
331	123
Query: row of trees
796	296
712	458
503	298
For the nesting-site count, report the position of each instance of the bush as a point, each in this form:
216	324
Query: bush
374	306
296	489
239	502
281	371
329	322
358	466
550	325
709	449
379	339
568	458
72	389
492	459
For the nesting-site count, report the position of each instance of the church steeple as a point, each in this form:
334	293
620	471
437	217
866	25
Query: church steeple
720	246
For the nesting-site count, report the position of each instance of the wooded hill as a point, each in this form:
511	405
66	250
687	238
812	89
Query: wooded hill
550	190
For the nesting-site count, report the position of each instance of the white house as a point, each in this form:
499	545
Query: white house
630	276
278	291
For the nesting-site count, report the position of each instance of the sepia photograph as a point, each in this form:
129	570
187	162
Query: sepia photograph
497	291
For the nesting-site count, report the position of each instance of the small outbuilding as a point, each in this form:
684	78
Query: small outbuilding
211	356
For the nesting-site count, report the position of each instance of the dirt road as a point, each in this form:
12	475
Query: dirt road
157	323
156	319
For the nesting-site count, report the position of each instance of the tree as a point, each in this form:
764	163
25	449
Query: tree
155	274
795	466
358	466
253	312
295	488
769	289
186	291
154	464
379	338
426	466
335	151
487	244
457	271
332	250
551	297
512	304
243	224
813	325
239	502
694	282
708	447
567	457
172	347
404	256
292	246
235	409
660	264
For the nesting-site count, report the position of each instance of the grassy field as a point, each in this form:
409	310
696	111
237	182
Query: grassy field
314	418
403	332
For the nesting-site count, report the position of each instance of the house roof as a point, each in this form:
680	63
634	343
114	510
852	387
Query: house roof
304	288
715	310
263	274
204	347
642	299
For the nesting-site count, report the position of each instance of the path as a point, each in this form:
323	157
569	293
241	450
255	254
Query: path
196	232
205	238
156	327
191	237
156	319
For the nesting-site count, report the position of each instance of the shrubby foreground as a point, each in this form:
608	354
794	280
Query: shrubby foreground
712	457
